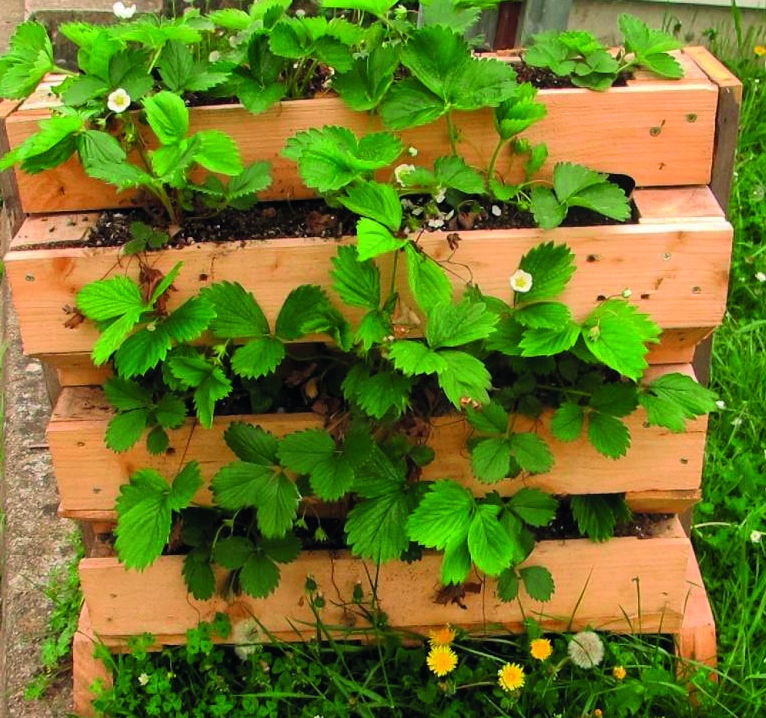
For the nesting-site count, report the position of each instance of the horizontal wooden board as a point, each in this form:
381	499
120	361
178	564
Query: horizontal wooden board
89	475
678	273
658	132
625	584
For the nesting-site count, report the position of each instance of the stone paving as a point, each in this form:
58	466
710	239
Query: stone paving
34	540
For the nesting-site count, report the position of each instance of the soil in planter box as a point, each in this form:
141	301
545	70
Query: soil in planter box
301	218
545	79
326	533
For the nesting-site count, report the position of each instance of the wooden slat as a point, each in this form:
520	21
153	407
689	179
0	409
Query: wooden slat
714	69
677	346
696	640
597	585
645	131
658	205
89	475
86	669
678	273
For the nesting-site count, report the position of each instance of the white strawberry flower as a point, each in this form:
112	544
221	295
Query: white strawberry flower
521	281
627	293
721	404
760	276
214	56
123	11
143	679
118	101
496	210
413	151
401	171
756	536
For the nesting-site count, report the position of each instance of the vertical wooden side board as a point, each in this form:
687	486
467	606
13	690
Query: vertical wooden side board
724	158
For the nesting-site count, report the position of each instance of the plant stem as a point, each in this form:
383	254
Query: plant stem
393	276
307	78
451	131
564	390
63	71
498	147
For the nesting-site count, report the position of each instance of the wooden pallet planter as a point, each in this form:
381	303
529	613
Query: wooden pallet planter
661	472
674	138
660	132
675	260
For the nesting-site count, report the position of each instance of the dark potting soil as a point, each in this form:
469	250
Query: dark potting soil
327	532
300	218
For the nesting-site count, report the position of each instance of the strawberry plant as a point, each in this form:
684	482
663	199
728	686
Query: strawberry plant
581	57
489	358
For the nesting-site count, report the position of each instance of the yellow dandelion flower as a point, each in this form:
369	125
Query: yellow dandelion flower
619	673
540	649
759	50
441	660
443	637
511	677
598	713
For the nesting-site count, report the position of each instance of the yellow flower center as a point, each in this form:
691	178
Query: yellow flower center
441	660
540	649
619	673
510	677
443	637
759	50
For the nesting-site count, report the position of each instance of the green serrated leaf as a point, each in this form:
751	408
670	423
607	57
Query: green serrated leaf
598	514
455	325
531	452
508	585
443	516
464	378
617	334
374	239
490	419
233	552
533	506
237	314
143	519
168	116
357	282
376	201
488	541
491	459
456	563
567	422
544	315
551	266
186	483
259	576
251	443
428	281
125	395
125	429
615	399
608	435
672	399
258	357
157	441
538	582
